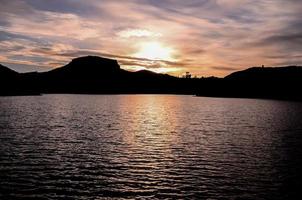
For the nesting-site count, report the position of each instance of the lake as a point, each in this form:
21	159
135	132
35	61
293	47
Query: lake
149	146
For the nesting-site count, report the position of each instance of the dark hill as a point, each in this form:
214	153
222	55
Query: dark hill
96	75
259	82
88	66
266	74
5	72
14	83
8	80
91	74
7	75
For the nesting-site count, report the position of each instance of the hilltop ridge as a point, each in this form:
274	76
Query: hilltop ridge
97	75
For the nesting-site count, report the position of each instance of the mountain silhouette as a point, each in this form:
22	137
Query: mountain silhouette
6	72
14	83
96	75
259	82
267	74
89	66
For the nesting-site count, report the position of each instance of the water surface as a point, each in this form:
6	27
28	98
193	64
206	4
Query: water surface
149	146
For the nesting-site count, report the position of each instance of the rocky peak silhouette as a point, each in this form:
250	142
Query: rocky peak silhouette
88	66
94	63
96	75
5	72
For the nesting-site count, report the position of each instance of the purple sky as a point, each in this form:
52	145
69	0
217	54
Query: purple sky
205	37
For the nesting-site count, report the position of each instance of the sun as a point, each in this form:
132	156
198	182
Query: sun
154	51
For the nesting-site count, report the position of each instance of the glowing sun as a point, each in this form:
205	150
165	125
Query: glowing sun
154	51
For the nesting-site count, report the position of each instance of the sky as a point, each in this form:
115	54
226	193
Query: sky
204	37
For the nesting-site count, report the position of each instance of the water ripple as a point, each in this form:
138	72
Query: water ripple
149	147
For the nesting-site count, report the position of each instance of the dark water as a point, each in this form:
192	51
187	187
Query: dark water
95	147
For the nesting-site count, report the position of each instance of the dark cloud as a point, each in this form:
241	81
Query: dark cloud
224	68
287	37
83	8
4	36
291	40
34	59
10	47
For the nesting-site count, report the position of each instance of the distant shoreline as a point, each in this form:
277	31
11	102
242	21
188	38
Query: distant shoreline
94	75
157	94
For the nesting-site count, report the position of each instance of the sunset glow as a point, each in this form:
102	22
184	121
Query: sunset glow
154	51
206	38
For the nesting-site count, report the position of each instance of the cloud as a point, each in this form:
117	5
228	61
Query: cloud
137	33
224	68
291	40
203	34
